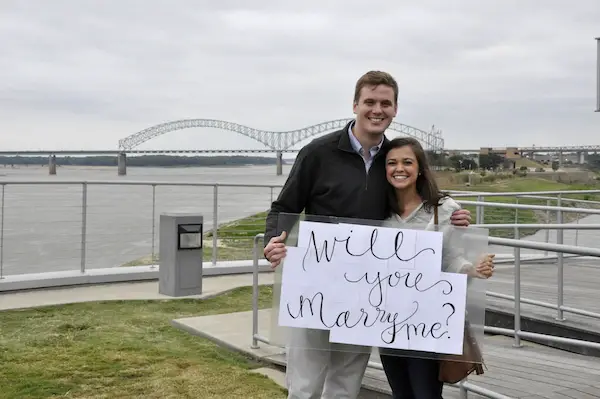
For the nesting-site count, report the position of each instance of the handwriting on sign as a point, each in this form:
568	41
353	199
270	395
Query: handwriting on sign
367	319
380	287
321	248
393	280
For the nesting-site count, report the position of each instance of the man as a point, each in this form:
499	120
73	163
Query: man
340	174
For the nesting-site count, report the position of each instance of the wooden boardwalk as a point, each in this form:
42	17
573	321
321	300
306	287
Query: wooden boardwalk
539	282
530	372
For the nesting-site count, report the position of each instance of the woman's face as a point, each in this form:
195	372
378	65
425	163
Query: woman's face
402	168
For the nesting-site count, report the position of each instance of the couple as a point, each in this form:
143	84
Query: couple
358	173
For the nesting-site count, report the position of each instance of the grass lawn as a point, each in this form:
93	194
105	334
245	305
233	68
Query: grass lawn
529	163
125	349
236	238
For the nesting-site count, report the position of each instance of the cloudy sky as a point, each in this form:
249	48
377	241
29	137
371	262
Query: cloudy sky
82	74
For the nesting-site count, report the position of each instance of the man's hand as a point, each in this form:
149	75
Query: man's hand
461	218
275	250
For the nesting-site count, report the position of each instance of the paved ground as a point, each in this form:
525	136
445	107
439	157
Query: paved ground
121	291
533	371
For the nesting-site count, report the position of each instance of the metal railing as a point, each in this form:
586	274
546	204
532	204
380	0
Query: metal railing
517	245
109	232
89	226
546	247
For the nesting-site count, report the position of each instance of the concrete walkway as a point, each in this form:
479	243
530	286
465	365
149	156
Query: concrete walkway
122	291
531	371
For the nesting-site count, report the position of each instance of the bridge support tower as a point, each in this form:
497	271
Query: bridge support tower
122	164
52	164
279	163
560	159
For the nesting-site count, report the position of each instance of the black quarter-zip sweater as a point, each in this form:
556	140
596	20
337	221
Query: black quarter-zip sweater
329	178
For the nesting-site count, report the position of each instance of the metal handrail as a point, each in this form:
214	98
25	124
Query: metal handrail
133	183
468	194
517	333
255	292
531	207
547	305
457	193
539	226
480	204
561	248
84	206
522	193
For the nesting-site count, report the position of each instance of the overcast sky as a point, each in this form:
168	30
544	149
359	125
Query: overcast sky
82	74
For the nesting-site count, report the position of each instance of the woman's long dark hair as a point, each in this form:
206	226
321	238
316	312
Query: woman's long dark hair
427	187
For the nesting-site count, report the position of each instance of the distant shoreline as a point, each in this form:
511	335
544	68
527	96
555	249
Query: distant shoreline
8	167
162	161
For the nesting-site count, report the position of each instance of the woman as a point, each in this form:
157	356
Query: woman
414	195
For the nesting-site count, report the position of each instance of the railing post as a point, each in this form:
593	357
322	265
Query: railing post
548	203
255	291
577	230
83	225
2	234
463	392
517	289
560	264
153	224
517	219
215	223
483	210
478	209
598	74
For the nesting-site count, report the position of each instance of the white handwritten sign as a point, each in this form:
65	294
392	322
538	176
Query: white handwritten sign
373	286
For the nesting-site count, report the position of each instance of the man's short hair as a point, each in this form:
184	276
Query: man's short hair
376	78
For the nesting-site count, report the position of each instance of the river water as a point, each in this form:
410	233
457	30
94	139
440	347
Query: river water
42	223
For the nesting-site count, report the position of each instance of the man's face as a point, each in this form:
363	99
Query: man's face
375	109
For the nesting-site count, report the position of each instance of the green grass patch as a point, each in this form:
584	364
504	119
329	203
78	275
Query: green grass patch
246	228
125	349
529	163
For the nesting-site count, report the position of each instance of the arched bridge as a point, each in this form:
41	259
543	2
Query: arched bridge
277	141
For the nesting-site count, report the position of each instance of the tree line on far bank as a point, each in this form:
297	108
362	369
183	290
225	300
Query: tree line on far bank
494	161
461	162
142	160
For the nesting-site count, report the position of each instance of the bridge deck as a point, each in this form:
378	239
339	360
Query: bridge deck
533	371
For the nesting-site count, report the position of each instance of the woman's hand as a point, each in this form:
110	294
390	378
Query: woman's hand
461	218
485	268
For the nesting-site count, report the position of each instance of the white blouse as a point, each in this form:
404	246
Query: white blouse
453	259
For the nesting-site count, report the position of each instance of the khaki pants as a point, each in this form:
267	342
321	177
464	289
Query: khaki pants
317	369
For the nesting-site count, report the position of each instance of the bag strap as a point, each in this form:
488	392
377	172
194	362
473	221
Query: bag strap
435	218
